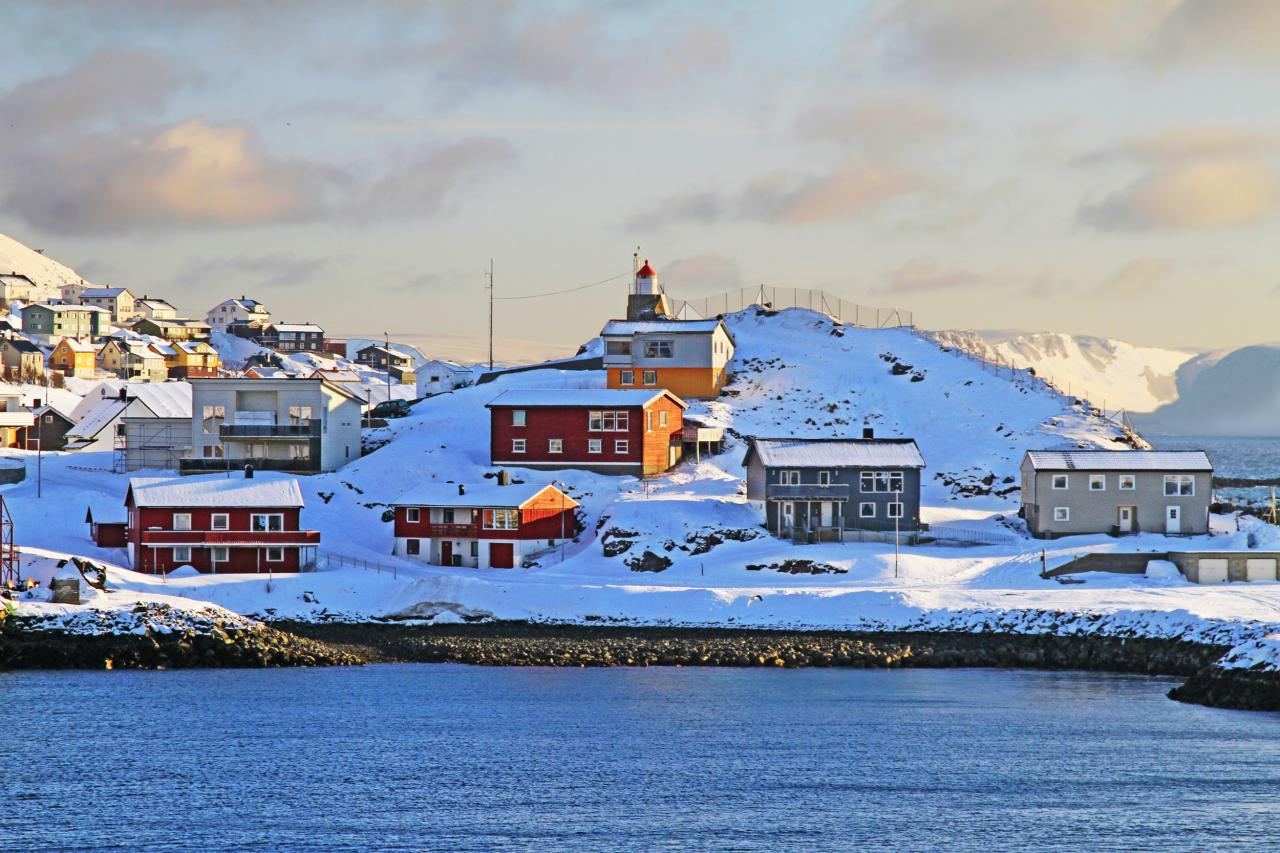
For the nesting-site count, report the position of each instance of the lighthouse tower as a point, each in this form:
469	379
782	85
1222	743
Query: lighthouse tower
646	300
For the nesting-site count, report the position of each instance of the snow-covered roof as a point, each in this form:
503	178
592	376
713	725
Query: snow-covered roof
66	306
99	417
645	327
486	494
164	399
77	345
444	364
156	303
335	375
4	276
1119	460
838	452
217	490
602	397
22	345
250	305
297	327
178	322
102	292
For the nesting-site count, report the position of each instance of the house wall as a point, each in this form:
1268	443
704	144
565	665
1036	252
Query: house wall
684	382
240	559
1098	512
697	367
155	443
647	451
848	515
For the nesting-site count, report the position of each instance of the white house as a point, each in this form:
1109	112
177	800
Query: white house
102	427
437	376
242	310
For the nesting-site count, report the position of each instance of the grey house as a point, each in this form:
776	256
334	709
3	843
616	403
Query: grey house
818	489
1067	492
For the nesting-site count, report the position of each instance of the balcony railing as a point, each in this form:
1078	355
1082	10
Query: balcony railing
462	531
295	466
807	492
231	537
310	429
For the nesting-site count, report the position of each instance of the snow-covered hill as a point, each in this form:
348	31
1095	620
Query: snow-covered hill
44	271
1115	373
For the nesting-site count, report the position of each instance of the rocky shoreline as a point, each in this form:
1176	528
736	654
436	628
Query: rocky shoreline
532	644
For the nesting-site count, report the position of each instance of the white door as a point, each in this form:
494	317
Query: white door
1173	519
1212	571
788	515
1126	519
1260	570
828	518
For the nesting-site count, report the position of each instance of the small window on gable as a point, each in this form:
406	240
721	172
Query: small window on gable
1060	481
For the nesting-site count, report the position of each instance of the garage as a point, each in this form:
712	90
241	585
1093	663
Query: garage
1211	571
501	555
1260	569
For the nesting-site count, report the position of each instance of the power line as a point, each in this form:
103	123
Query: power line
566	290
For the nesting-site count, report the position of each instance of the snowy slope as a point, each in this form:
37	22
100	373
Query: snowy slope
44	271
1119	374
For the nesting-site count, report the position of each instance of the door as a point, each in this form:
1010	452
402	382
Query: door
501	555
788	516
1211	571
1260	569
1173	519
1126	519
827	514
446	553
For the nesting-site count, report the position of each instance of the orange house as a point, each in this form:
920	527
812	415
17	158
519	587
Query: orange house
74	357
689	358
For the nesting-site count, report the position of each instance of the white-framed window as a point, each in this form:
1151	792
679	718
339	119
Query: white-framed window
501	519
1060	482
220	554
622	445
517	417
662	419
266	522
275	555
182	521
1062	513
517	445
213	451
1097	482
413	515
413	547
650	377
595	445
626	377
659	349
555	445
447	515
1128	482
894	509
788	510
788	478
220	521
182	555
880	482
648	421
1179	485
866	509
824	478
602	421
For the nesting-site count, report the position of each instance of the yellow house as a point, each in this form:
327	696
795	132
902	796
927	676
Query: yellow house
74	357
192	359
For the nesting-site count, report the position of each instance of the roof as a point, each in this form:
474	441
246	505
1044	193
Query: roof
27	279
646	271
250	305
22	345
1119	460
155	303
217	490
180	322
533	398
66	306
163	399
672	327
488	493
49	409
102	292
77	345
297	327
193	347
837	452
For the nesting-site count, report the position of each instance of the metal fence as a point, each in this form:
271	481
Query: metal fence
954	534
777	298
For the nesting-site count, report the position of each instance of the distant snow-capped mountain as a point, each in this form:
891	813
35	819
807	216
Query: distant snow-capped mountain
1230	392
44	271
1107	372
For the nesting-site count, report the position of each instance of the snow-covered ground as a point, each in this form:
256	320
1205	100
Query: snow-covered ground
796	374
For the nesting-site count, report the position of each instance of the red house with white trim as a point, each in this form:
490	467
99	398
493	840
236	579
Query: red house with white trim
490	525
608	431
242	523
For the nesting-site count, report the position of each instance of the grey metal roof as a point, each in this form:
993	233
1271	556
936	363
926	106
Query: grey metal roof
602	397
838	452
1119	460
644	327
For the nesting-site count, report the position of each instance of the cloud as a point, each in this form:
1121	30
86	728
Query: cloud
1185	144
707	273
879	124
275	270
1194	196
923	276
428	184
1139	277
790	198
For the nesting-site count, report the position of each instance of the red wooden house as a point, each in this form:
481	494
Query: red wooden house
218	524
491	525
611	432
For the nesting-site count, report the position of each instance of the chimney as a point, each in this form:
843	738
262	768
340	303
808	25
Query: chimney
124	393
462	490
35	404
248	472
868	432
504	479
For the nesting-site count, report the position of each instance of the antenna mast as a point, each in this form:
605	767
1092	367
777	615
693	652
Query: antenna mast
491	313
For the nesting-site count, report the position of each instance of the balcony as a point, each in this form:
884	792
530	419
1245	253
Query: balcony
234	432
231	537
293	466
807	492
445	531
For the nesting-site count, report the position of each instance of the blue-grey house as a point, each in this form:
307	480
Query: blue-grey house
819	489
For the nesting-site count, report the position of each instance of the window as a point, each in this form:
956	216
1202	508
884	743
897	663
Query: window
626	377
517	417
1059	482
1179	485
501	519
1128	482
517	445
219	554
866	510
789	478
219	521
275	555
261	522
475	548
788	510
212	416
595	445
650	377
617	347
648	421
182	555
1062	513
446	515
895	509
182	521
662	419
413	515
412	547
1097	482
48	419
299	415
555	445
658	349
622	445
824	478
881	482
213	451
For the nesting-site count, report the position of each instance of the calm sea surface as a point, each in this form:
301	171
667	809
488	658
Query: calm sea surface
437	757
1252	458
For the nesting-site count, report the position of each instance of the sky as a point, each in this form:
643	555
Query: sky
1083	166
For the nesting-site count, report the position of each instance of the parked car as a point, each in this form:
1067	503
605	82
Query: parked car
390	409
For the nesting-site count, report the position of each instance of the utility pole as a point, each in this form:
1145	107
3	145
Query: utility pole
897	520
386	344
491	313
